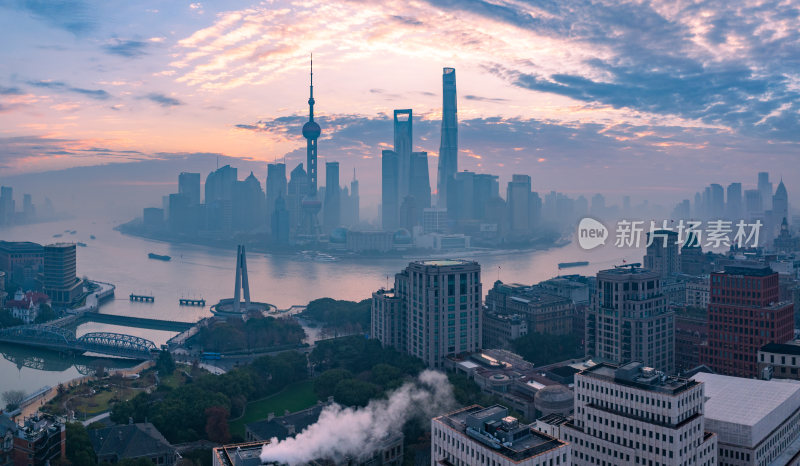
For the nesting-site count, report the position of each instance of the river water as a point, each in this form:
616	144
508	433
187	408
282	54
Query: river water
199	271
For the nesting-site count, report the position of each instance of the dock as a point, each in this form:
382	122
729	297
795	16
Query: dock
192	302
142	298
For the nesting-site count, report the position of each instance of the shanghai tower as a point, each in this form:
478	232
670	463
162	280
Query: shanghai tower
448	150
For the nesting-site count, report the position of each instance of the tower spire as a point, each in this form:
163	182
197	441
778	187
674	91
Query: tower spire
311	92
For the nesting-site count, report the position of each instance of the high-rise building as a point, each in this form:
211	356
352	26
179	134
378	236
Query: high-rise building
490	436
518	196
403	145
61	282
765	190
276	187
390	194
434	220
716	206
22	261
420	186
752	204
297	189
332	210
178	214
28	209
248	204
780	205
745	313
448	149
487	187
733	208
629	319
7	208
438	311
351	204
598	208
280	222
635	415
662	253
189	186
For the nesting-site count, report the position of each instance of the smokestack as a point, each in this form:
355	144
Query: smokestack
343	433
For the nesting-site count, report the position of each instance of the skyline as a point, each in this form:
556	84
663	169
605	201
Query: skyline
138	84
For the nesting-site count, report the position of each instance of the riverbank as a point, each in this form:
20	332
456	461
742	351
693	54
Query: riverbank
256	244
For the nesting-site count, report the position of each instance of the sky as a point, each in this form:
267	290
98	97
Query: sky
655	99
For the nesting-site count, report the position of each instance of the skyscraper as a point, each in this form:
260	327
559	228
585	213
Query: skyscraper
403	143
276	187
7	207
297	189
716	208
780	205
390	196
448	149
745	313
518	198
333	206
765	190
189	186
752	203
629	319
420	182
355	201
279	223
733	208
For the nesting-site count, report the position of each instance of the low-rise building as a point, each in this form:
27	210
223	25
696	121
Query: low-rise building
779	360
515	381
489	436
25	306
757	421
635	415
499	330
132	441
698	291
545	312
39	440
8	430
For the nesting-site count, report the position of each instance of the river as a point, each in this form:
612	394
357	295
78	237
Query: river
199	271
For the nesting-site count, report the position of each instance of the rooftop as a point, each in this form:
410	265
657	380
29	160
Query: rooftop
240	454
523	448
749	270
20	246
625	271
129	441
636	375
782	348
745	411
444	262
285	426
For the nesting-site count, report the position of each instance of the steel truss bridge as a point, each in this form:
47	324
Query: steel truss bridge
62	339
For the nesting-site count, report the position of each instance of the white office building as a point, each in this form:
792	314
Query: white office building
489	436
635	415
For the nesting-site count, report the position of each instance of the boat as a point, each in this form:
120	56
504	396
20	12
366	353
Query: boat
57	235
565	265
92	237
158	257
83	245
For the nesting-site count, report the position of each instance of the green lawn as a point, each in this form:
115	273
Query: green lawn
294	398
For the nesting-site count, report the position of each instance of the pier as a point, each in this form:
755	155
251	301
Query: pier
192	302
139	298
136	322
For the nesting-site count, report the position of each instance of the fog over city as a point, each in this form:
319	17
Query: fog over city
395	233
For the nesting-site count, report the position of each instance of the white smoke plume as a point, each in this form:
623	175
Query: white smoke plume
343	432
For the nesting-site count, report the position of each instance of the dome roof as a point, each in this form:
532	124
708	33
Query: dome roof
338	236
402	236
311	130
554	397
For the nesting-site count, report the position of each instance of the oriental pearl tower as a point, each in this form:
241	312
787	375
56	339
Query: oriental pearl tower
311	204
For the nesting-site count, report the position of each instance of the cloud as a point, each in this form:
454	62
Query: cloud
98	94
484	99
10	91
126	48
71	15
162	99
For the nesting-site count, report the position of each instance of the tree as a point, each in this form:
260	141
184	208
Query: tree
13	398
354	392
46	314
327	381
165	365
217	424
78	446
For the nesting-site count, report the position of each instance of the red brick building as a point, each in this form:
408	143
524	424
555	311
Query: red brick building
691	333
744	314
